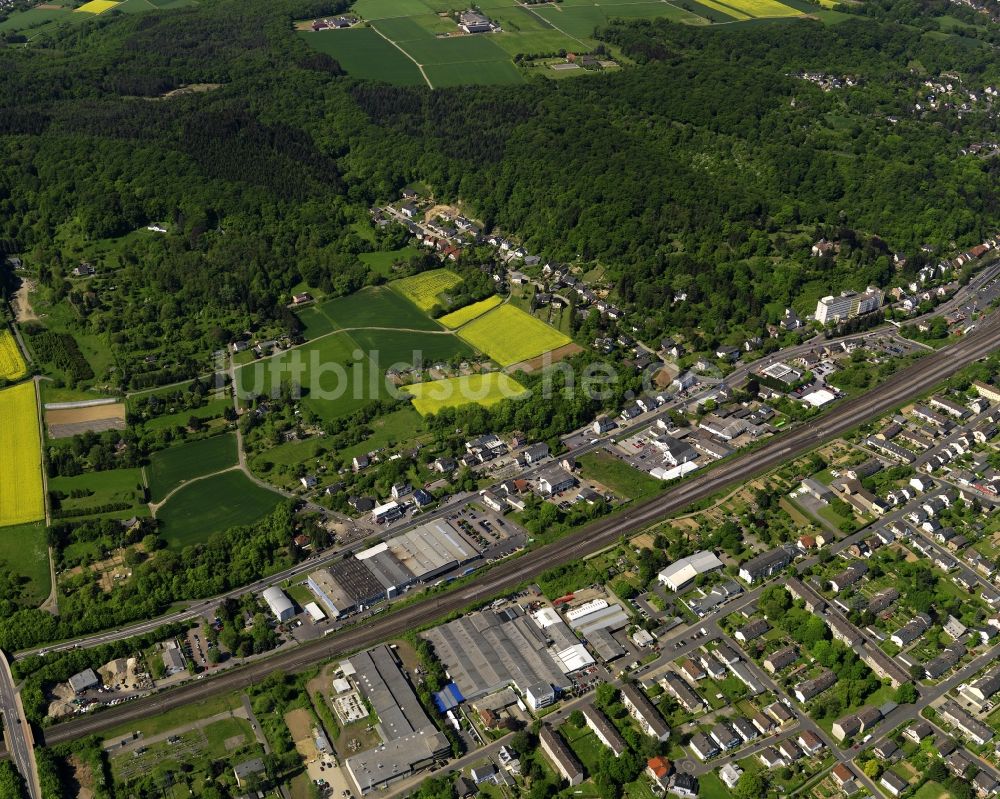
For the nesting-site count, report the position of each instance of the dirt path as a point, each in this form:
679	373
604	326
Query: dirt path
23	312
419	65
155	506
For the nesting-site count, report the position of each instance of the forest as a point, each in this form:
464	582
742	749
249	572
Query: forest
706	169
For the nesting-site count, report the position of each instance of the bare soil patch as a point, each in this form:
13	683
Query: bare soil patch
84	778
23	312
66	422
442	210
299	724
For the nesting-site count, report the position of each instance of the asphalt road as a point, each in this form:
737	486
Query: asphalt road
17	732
918	378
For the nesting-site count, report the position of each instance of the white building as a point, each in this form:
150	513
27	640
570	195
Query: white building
848	305
681	573
281	606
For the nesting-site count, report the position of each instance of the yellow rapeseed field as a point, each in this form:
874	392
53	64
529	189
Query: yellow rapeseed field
11	363
762	8
423	290
509	335
97	6
469	312
481	389
21	497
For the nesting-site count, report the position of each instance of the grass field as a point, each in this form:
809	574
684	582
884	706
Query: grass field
480	389
464	315
100	489
217	503
617	475
33	20
365	54
23	549
179	717
382	262
509	335
210	410
371	307
170	468
425	289
395	347
12	366
336	376
21	491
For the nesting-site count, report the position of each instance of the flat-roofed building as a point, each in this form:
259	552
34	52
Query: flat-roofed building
489	650
387	569
432	549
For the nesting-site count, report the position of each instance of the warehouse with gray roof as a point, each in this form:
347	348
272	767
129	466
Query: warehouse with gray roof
489	650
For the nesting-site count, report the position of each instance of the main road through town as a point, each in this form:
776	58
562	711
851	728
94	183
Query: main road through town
905	384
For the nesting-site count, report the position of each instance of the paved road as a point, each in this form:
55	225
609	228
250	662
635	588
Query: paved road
918	378
17	732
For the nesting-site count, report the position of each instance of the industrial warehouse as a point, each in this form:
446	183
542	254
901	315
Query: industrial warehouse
386	570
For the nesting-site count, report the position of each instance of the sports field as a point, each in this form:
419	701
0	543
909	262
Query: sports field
509	335
21	497
480	389
12	365
425	290
172	467
213	505
463	315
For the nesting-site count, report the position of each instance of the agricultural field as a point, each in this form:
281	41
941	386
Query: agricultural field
365	54
213	505
409	42
172	467
481	389
21	493
387	348
425	289
94	490
97	6
67	422
465	315
371	307
12	366
508	335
